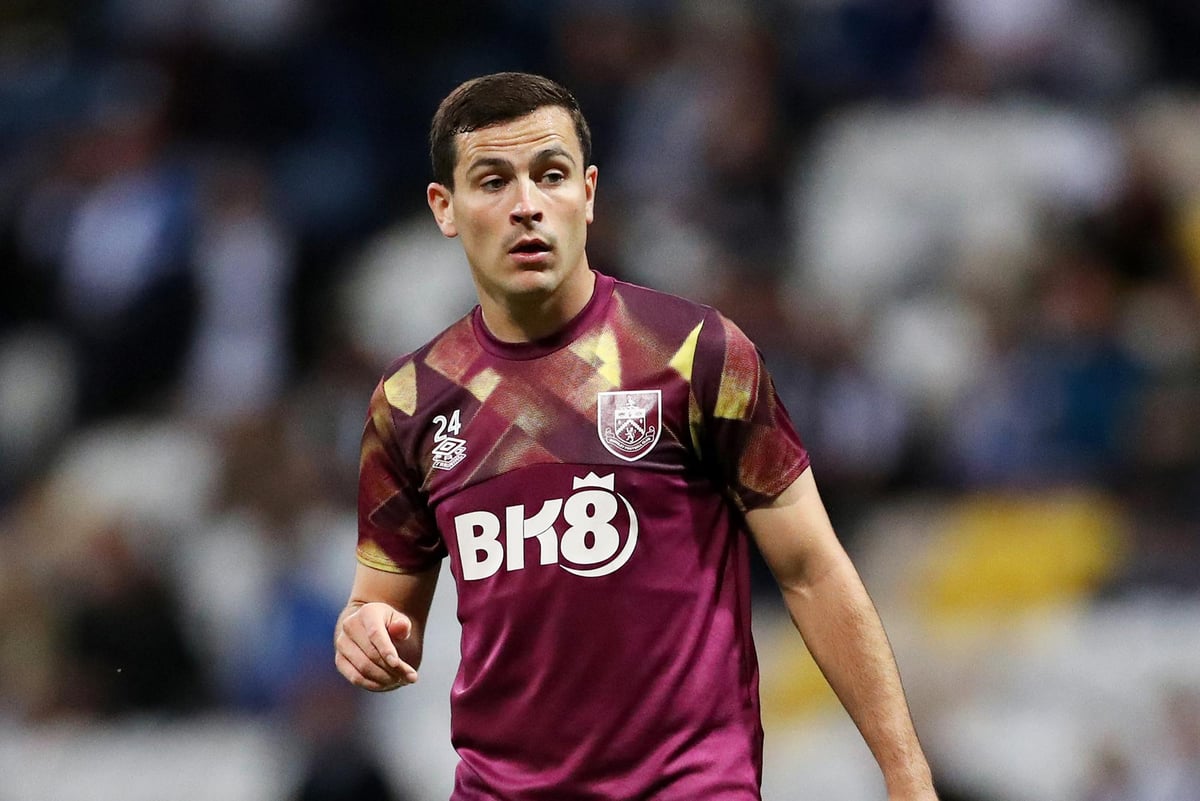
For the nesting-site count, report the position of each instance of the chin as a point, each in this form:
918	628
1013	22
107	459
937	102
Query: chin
536	275
534	281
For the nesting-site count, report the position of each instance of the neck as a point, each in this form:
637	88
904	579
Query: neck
536	315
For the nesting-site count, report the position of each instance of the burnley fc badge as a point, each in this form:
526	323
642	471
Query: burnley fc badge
629	422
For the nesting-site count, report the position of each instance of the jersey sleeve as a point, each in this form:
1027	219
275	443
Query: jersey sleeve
747	437
396	529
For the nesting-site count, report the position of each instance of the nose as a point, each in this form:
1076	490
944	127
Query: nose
527	209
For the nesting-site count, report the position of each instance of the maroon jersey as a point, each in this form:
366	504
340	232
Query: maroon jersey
589	490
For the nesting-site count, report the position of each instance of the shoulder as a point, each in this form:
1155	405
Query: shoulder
655	304
708	340
411	378
664	308
660	318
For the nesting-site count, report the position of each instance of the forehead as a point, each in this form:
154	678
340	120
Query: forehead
518	139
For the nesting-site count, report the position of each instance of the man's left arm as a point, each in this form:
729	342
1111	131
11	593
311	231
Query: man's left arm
841	628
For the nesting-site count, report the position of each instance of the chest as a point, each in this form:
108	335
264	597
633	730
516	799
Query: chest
553	412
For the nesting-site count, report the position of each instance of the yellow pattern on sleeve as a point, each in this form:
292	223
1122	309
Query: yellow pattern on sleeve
734	396
683	362
401	389
371	555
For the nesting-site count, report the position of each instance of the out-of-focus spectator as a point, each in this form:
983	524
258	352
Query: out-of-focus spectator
843	51
91	544
37	399
125	290
125	647
30	645
889	202
714	209
1065	408
240	359
1111	777
339	763
1174	25
375	295
1171	769
1073	48
1177	777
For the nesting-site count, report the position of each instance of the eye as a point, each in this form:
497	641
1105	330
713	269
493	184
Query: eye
554	177
492	184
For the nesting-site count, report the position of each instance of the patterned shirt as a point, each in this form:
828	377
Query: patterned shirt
590	490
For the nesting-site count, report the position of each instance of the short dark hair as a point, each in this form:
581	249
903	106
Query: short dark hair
491	99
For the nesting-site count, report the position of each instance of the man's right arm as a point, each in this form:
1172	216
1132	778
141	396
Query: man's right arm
379	635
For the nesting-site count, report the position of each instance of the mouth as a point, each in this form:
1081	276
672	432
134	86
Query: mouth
530	251
530	246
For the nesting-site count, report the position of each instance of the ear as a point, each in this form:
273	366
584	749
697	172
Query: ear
440	203
589	187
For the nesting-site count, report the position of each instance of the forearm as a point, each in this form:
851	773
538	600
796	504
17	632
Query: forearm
843	632
379	634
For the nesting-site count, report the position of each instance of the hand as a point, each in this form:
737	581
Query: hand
366	648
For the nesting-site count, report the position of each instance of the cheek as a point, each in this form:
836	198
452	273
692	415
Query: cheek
472	227
585	206
584	214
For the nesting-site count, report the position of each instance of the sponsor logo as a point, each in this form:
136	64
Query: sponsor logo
590	533
629	423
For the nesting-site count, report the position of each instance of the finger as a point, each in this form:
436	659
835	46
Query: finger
362	664
392	661
370	680
364	631
364	673
397	629
375	635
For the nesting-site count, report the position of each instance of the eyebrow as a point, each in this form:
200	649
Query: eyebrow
548	153
490	161
541	157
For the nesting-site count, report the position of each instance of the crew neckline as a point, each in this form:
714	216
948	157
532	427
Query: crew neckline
596	306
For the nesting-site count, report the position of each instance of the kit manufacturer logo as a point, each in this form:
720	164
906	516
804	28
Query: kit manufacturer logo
448	450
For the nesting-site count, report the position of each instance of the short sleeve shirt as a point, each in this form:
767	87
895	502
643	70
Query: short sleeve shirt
589	490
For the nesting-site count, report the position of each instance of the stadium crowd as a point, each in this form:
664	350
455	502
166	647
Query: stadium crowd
965	234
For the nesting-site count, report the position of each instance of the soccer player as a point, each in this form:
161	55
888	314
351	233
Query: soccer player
594	457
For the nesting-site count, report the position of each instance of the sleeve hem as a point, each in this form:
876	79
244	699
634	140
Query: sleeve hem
788	477
388	566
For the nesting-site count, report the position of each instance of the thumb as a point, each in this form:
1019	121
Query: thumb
399	627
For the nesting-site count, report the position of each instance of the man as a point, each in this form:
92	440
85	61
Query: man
593	457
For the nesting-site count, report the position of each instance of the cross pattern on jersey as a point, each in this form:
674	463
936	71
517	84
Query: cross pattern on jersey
589	490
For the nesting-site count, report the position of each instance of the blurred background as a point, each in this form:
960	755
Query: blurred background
964	233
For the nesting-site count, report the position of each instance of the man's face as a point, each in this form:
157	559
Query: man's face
521	204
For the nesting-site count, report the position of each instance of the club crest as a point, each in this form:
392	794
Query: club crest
629	422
